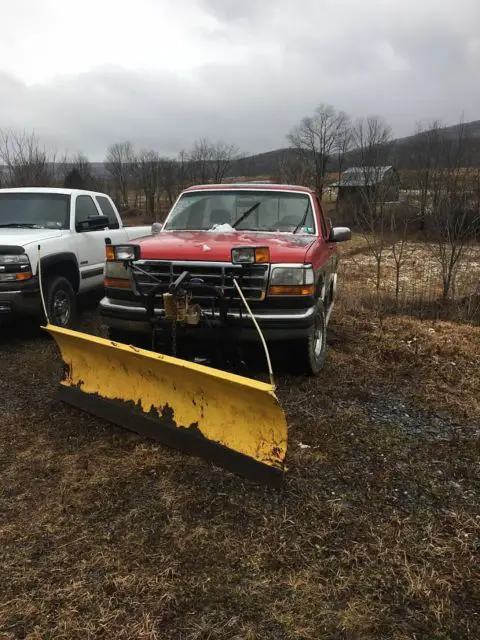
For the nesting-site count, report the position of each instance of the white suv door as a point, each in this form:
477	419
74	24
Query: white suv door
90	244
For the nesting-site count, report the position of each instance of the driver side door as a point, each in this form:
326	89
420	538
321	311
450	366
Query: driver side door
89	244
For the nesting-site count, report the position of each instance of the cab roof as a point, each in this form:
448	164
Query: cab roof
249	186
59	190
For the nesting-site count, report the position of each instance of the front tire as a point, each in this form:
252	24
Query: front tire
310	352
61	302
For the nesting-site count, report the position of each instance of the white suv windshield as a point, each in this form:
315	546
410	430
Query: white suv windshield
34	210
275	211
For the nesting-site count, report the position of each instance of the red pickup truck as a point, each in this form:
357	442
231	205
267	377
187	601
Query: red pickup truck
273	239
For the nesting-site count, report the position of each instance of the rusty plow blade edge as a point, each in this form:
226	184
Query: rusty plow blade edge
233	421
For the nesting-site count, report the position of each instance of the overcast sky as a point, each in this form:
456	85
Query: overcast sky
164	72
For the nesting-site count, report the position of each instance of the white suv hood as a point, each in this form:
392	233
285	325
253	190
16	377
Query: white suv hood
23	237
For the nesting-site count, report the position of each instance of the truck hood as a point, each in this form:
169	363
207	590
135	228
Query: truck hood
217	246
23	237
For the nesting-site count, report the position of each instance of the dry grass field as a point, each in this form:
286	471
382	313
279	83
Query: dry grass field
376	533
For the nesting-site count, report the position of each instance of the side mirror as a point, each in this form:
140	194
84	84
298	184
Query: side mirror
340	234
94	223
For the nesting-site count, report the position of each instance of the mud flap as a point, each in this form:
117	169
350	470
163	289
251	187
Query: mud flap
235	422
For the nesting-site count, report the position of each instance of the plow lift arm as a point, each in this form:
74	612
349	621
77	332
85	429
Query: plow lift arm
231	420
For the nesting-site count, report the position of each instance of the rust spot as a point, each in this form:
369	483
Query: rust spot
166	417
79	384
193	428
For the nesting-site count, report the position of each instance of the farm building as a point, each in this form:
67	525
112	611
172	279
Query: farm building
377	184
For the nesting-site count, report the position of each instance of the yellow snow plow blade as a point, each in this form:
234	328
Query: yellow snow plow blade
234	421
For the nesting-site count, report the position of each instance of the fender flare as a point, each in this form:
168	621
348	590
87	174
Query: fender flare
51	261
334	279
320	285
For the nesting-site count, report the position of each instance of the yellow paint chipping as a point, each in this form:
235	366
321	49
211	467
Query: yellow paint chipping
237	412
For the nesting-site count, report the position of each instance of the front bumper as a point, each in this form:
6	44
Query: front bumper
20	298
276	324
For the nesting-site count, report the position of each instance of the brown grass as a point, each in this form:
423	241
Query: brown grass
375	534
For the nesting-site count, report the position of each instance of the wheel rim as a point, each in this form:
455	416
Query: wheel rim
318	338
61	308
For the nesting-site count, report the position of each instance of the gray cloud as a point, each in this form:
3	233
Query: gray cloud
404	61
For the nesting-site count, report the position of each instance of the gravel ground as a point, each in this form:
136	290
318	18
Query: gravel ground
393	409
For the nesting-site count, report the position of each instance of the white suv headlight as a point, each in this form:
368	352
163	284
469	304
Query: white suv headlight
20	258
14	267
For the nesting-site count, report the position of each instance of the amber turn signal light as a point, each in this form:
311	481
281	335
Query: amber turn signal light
25	275
109	252
117	283
262	255
292	290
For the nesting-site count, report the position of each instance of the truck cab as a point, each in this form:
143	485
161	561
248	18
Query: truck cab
274	239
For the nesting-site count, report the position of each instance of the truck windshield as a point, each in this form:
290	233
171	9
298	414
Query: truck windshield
267	211
34	210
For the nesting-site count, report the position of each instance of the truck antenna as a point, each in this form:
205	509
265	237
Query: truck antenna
254	320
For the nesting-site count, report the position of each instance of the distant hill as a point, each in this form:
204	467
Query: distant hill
404	150
400	152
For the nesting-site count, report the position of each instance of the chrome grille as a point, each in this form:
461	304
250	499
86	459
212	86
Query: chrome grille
254	277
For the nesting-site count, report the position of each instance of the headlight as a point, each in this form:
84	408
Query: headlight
125	253
291	275
251	255
117	276
292	281
15	267
122	252
22	258
243	256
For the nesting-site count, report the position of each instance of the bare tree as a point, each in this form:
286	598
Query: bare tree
120	164
211	160
77	172
343	143
222	157
201	157
169	179
371	137
26	163
148	174
292	169
316	137
453	201
184	170
401	248
427	158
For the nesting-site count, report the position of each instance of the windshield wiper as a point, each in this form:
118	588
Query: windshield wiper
244	215
20	225
302	221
